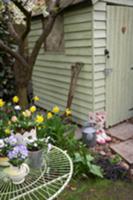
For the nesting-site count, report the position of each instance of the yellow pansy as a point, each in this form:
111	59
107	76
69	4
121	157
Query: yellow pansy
56	109
2	103
68	112
36	98
39	119
33	109
7	131
49	115
15	99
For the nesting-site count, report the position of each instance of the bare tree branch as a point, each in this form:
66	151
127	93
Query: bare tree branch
11	28
41	39
27	15
21	7
28	26
14	54
47	29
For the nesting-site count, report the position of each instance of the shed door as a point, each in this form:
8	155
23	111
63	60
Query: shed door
119	64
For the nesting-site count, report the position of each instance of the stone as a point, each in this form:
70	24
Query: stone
124	165
102	153
122	131
125	150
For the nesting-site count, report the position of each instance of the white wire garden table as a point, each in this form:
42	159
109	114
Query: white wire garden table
43	184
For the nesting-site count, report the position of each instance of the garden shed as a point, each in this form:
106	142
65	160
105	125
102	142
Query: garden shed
98	33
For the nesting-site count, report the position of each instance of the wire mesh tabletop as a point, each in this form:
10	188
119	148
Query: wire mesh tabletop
43	184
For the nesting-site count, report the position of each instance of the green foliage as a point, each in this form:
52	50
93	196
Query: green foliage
62	135
7	80
116	159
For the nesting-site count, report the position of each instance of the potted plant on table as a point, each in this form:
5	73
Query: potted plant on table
18	169
6	144
35	148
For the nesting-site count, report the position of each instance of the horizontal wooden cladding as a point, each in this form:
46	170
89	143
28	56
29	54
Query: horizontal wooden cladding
99	76
100	106
100	6
78	12
62	78
55	57
99	51
36	26
120	2
59	85
87	17
99	34
69	28
78	35
70	51
79	51
68	44
99	16
99	60
99	91
63	72
99	43
99	98
99	68
99	83
35	32
99	25
80	43
61	99
62	94
60	65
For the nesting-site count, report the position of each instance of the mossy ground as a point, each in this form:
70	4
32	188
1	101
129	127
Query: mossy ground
98	190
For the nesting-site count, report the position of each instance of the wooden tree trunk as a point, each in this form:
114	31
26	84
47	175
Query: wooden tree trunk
23	96
22	76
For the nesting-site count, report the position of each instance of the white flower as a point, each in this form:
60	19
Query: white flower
47	139
30	137
2	144
35	145
49	147
17	107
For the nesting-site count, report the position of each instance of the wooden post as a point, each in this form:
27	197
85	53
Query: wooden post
75	70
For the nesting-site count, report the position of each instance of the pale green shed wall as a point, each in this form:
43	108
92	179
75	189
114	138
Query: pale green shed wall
99	62
51	76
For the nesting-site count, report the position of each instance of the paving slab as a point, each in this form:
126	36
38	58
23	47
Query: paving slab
125	150
122	131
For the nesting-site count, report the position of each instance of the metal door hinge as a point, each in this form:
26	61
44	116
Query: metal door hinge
106	53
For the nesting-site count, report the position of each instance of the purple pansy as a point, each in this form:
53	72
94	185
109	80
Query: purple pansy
19	151
12	140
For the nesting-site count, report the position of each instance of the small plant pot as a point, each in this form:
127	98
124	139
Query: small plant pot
17	174
4	161
35	159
